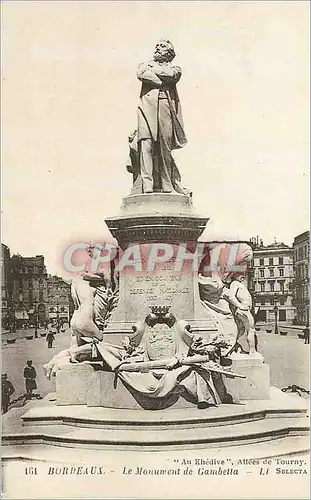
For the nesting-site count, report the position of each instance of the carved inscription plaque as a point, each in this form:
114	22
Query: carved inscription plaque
166	288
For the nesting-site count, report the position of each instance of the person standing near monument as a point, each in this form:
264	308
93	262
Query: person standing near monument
160	125
7	390
30	376
50	339
306	334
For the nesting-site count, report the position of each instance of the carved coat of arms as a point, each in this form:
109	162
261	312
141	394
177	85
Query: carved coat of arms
160	342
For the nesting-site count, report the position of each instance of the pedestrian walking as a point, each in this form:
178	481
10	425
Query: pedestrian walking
30	378
306	334
7	390
50	339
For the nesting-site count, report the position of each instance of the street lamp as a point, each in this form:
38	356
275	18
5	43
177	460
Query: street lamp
57	317
276	309
12	325
35	316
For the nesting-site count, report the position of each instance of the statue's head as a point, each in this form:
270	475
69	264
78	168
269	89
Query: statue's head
235	276
94	279
164	51
240	277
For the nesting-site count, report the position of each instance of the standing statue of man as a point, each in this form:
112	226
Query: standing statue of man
160	126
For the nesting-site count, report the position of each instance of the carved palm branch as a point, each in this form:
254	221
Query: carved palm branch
105	301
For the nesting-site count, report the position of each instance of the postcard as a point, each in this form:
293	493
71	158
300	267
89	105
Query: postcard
155	250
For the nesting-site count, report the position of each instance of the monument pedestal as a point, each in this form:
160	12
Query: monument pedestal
149	226
256	385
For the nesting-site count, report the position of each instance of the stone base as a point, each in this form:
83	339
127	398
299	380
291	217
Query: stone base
110	392
163	217
73	382
156	203
81	384
256	385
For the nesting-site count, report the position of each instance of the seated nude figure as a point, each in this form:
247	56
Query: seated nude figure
83	327
240	302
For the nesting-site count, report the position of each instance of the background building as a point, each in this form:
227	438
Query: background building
273	278
58	300
29	289
301	283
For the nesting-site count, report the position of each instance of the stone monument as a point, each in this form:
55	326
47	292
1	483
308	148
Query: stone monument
160	330
172	324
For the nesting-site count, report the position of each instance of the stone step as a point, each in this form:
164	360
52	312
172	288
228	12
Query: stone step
111	420
123	419
291	446
47	412
129	439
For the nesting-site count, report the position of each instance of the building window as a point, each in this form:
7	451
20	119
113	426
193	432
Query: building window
282	301
40	296
271	301
281	261
300	253
271	283
281	271
262	302
262	273
261	262
271	272
262	286
282	286
271	261
282	315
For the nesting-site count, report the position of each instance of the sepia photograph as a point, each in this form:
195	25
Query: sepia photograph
155	249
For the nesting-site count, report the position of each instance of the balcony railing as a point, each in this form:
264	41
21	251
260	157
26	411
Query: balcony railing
301	302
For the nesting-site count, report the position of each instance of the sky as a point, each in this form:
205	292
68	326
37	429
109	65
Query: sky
69	101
